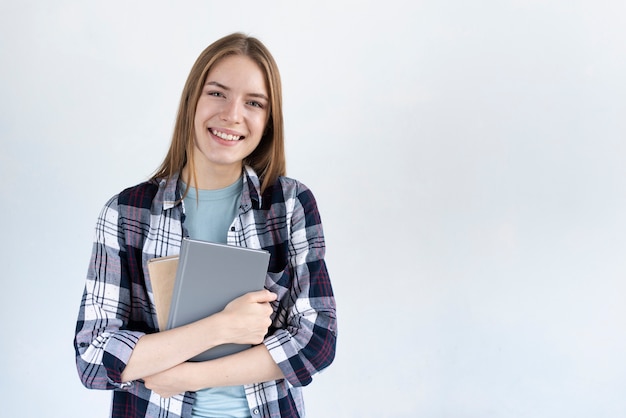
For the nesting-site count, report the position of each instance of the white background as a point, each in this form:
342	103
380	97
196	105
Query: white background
468	158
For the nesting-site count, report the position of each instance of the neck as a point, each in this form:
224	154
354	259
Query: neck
212	178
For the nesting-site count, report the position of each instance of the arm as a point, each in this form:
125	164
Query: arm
244	321
306	326
113	341
254	365
102	342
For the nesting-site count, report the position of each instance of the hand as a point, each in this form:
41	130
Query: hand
248	317
170	382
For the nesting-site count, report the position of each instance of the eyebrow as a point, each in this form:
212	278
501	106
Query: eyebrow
220	85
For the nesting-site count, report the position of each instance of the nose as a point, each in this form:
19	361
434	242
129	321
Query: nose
232	111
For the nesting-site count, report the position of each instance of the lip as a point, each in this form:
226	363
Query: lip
227	132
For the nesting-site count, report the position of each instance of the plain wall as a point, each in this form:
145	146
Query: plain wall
468	159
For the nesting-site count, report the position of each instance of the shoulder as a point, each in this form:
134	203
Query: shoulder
295	196
293	187
286	189
139	196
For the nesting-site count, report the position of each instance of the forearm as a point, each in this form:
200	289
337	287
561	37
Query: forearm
254	365
161	351
250	366
244	321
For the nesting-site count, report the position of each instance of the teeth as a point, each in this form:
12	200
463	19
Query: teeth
225	136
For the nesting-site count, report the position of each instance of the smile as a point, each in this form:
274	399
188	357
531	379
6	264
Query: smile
225	136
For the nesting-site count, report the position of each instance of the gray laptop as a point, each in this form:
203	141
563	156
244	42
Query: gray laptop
208	277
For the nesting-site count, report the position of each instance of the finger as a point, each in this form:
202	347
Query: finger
263	296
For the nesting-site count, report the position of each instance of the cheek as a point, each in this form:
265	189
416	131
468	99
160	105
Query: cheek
197	121
261	124
203	109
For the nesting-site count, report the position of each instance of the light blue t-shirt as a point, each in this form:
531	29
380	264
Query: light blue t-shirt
208	218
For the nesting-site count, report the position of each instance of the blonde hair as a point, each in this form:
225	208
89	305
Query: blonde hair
268	159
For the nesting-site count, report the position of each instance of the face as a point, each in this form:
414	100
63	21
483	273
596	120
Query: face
230	116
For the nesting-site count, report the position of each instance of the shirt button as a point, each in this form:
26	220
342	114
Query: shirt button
256	412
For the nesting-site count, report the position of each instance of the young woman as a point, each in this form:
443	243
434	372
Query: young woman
222	180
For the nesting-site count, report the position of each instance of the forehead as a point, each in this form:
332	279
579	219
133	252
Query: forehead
238	72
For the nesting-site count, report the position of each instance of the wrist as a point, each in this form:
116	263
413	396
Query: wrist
191	376
215	329
198	375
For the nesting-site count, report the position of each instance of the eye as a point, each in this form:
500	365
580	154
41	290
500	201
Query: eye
254	103
215	93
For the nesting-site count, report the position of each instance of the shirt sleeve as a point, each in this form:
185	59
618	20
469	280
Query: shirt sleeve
305	339
103	344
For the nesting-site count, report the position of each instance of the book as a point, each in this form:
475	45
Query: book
208	276
162	271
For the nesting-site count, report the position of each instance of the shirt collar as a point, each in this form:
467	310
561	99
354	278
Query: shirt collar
170	192
250	197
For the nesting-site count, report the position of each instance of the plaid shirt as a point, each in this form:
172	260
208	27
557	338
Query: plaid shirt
117	307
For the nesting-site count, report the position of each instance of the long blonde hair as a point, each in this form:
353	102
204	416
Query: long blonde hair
268	159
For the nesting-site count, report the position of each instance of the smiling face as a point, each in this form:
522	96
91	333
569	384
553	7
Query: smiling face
230	118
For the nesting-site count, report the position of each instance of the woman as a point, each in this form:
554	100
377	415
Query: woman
222	180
